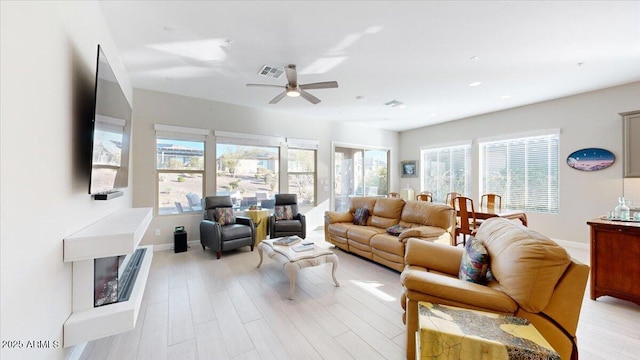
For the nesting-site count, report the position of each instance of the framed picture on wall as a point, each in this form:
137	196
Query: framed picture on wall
409	168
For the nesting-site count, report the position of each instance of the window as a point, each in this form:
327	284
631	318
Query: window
248	168
523	170
180	172
359	172
445	170
301	169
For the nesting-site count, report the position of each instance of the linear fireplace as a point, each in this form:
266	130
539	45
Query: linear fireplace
115	276
110	270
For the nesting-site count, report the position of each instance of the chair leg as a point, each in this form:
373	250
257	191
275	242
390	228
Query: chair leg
251	247
218	253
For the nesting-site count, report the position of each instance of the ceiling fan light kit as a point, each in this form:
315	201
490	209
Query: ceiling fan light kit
292	89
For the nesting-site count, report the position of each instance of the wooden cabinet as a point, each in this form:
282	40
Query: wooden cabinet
631	130
615	259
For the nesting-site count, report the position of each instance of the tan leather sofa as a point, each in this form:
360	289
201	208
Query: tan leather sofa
534	278
423	220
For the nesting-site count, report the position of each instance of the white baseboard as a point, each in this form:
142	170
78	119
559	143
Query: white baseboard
169	246
572	245
77	351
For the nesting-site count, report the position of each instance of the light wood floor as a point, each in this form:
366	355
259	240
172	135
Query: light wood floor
197	307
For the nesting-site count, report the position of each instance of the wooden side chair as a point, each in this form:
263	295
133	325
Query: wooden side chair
467	224
450	196
393	195
424	197
493	201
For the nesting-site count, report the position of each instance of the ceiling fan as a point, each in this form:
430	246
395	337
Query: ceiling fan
293	89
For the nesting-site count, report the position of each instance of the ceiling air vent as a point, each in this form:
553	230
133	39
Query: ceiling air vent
271	72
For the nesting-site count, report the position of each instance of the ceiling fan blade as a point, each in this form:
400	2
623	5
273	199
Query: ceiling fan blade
312	99
266	85
278	98
319	85
292	75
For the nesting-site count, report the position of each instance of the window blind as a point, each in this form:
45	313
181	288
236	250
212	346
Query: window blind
523	170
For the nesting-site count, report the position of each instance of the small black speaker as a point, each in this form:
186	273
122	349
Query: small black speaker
180	240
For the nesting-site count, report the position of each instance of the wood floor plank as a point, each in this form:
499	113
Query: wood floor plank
180	320
378	341
267	345
210	342
233	332
186	350
201	310
153	340
357	347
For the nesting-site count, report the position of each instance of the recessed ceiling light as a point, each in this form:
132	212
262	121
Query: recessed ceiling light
433	114
476	83
505	97
360	98
474	58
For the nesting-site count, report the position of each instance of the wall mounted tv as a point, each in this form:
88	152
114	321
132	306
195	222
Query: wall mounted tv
111	134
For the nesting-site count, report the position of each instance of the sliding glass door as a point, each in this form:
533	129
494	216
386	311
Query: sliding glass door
359	171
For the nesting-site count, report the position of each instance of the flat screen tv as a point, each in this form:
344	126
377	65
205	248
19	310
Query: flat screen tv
111	133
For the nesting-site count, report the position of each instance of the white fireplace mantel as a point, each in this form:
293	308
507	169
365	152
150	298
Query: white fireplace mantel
117	234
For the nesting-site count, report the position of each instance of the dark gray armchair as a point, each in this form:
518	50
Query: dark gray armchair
224	237
281	227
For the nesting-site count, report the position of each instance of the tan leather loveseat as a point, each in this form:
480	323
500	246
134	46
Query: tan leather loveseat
423	220
534	278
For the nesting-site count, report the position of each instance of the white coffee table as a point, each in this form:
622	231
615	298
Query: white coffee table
292	261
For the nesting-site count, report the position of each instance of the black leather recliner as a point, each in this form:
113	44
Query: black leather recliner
295	226
224	237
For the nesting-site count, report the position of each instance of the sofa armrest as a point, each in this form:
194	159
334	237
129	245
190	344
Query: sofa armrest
433	256
332	217
454	291
210	234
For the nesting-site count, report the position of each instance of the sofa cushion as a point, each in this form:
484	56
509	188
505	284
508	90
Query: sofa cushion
359	202
527	264
283	212
388	244
426	213
474	263
362	234
224	216
387	212
361	215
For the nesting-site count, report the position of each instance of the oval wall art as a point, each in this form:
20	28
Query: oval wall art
591	159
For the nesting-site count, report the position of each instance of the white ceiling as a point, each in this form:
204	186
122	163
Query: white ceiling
420	53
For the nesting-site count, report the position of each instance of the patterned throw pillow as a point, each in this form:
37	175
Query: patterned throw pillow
475	262
395	230
361	215
225	216
283	212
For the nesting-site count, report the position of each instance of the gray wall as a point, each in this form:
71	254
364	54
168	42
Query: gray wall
586	120
47	69
162	108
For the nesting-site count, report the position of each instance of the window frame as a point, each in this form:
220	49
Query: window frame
179	133
304	145
510	198
468	160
